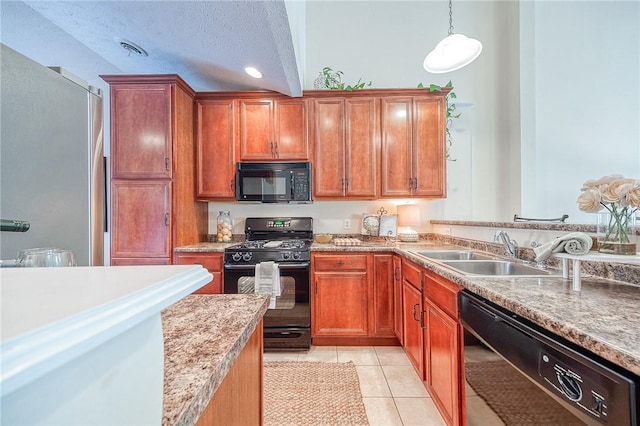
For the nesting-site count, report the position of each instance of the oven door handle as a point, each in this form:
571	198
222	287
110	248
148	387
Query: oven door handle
280	265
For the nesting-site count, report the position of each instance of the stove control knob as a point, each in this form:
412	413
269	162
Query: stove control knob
296	255
237	256
286	256
246	256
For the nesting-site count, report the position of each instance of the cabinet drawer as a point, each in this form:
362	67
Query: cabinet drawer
442	293
340	262
411	273
213	262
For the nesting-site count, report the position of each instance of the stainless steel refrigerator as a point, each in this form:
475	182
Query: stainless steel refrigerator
51	160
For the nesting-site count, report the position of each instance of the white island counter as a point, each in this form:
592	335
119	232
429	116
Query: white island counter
84	345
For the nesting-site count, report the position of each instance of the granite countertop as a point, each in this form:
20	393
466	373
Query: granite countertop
203	336
603	317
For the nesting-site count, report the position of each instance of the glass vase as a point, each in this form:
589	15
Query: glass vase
617	232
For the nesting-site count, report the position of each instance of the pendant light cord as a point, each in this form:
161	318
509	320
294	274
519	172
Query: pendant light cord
450	18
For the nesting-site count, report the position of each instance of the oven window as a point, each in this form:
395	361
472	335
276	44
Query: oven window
260	185
287	299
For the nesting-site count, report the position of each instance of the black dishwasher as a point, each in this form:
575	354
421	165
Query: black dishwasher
592	388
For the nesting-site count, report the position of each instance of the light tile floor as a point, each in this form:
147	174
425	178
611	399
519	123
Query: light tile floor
391	390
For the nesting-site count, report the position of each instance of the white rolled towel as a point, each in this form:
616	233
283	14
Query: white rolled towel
573	243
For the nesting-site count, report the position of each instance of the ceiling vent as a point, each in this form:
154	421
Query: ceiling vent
132	47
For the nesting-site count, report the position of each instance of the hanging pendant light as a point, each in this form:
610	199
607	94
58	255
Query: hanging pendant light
453	52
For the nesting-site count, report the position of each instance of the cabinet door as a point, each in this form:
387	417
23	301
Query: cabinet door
382	312
345	146
141	131
413	321
397	298
429	147
215	148
256	129
211	261
290	127
396	121
328	136
443	362
361	146
340	302
141	223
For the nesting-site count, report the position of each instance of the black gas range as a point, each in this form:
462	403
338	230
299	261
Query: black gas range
285	241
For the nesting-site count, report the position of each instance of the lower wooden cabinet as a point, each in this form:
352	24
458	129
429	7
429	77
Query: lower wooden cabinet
211	261
397	299
381	314
352	298
239	399
413	340
443	347
340	295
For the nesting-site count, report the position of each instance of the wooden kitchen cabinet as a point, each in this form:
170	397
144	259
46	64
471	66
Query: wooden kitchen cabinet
153	204
344	138
239	399
214	264
443	339
413	342
413	137
141	131
397	299
216	148
340	295
141	219
382	318
273	129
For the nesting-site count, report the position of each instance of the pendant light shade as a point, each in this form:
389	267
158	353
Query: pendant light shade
453	52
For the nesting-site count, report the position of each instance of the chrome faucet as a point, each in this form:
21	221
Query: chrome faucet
510	246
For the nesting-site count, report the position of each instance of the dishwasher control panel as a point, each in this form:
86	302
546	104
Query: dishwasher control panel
573	385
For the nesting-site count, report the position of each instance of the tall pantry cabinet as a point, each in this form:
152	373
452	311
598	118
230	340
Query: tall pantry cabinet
153	205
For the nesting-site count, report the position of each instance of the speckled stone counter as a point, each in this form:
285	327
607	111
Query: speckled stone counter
203	336
604	317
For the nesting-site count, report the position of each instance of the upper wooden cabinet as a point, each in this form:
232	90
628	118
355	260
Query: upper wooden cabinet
215	148
344	137
413	154
141	131
273	129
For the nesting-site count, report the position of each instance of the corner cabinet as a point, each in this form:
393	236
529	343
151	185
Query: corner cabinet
273	129
153	206
413	137
344	137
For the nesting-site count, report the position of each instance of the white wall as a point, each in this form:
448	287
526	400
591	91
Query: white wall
552	101
580	85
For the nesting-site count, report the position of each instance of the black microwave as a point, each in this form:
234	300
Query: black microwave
274	182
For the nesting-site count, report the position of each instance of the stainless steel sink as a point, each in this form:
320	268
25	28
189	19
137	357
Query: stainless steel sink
452	255
496	268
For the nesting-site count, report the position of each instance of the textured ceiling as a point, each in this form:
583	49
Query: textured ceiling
208	43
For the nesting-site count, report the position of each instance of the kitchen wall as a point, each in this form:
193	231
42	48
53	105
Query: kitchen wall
551	89
552	100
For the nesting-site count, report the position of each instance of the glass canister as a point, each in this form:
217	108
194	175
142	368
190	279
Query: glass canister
225	227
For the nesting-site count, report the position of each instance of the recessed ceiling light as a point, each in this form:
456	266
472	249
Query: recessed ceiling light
131	47
253	72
